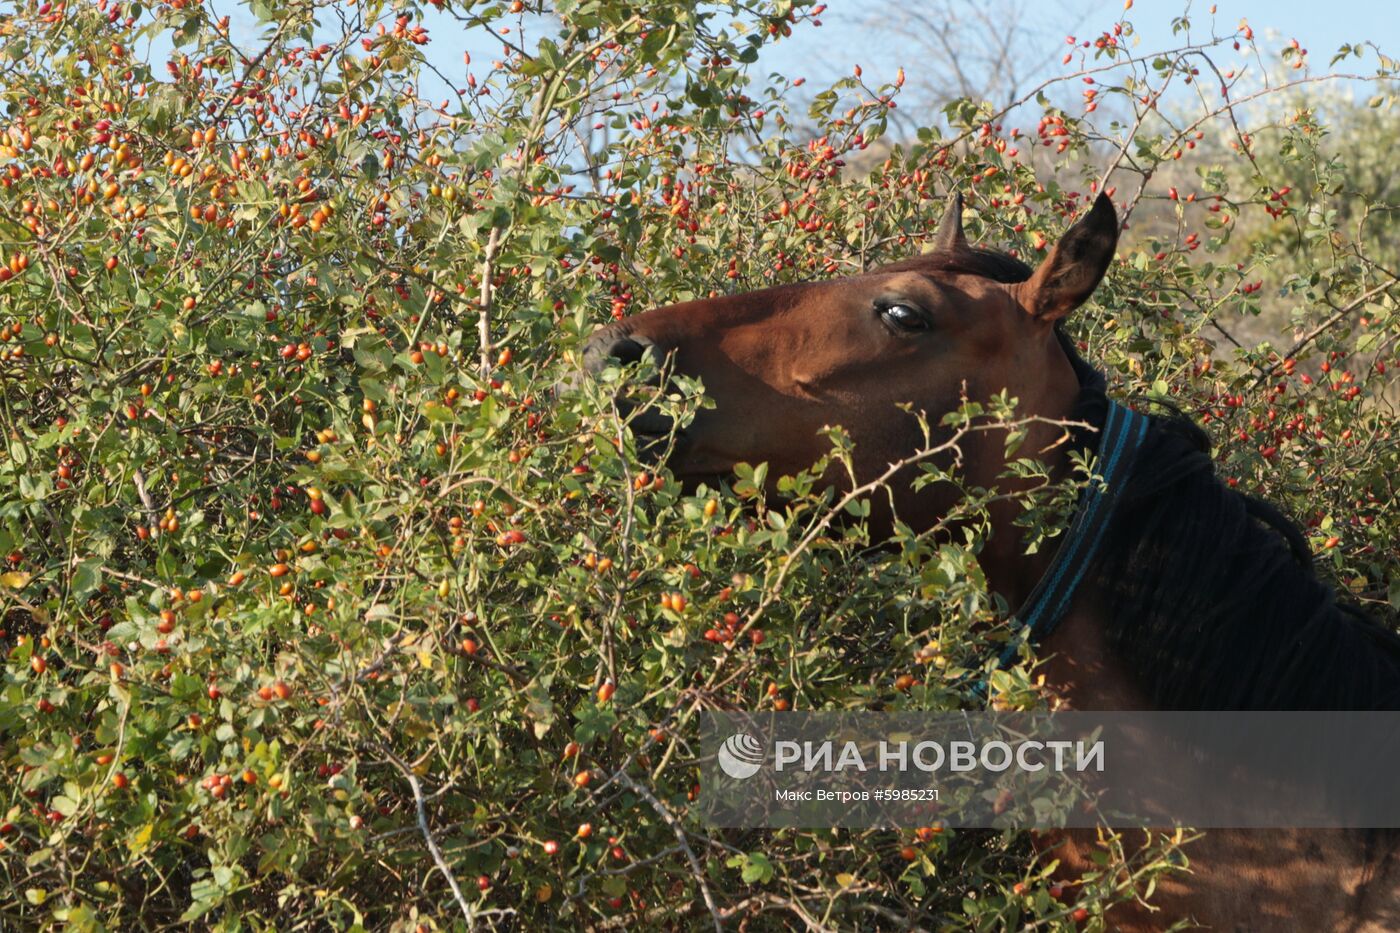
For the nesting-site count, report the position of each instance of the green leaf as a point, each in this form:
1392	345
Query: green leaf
539	707
594	722
185	687
438	413
87	577
140	840
757	869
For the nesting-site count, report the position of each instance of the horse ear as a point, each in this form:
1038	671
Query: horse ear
950	231
1072	271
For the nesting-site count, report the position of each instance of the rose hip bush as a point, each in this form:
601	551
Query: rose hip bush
330	594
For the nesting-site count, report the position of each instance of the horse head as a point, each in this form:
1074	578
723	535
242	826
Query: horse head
870	353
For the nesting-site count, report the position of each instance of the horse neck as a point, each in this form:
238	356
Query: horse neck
1081	668
1011	572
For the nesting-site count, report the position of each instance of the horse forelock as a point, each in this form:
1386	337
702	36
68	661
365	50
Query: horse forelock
974	260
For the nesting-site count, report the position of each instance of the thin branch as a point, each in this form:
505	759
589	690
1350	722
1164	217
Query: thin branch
138	478
433	849
1341	314
483	320
670	819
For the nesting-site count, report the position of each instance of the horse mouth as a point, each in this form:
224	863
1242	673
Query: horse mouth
688	469
652	425
661	444
659	441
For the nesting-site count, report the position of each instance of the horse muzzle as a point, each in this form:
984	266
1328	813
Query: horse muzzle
612	347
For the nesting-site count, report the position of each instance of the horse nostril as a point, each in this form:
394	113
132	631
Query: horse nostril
627	351
604	349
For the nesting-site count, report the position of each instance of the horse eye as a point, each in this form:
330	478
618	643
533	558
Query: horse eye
903	317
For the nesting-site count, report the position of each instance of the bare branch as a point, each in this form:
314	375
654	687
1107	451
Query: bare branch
483	320
433	849
696	871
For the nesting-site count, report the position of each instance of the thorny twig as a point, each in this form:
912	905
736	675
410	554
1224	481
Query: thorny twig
433	849
1340	315
483	318
670	819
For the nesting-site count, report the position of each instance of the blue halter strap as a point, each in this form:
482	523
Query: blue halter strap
1123	432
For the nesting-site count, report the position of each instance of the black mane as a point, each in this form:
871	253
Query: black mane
1210	597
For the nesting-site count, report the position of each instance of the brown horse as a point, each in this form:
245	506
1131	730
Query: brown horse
1200	598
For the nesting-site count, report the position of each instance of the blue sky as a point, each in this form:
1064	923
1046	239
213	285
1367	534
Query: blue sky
846	39
1322	25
